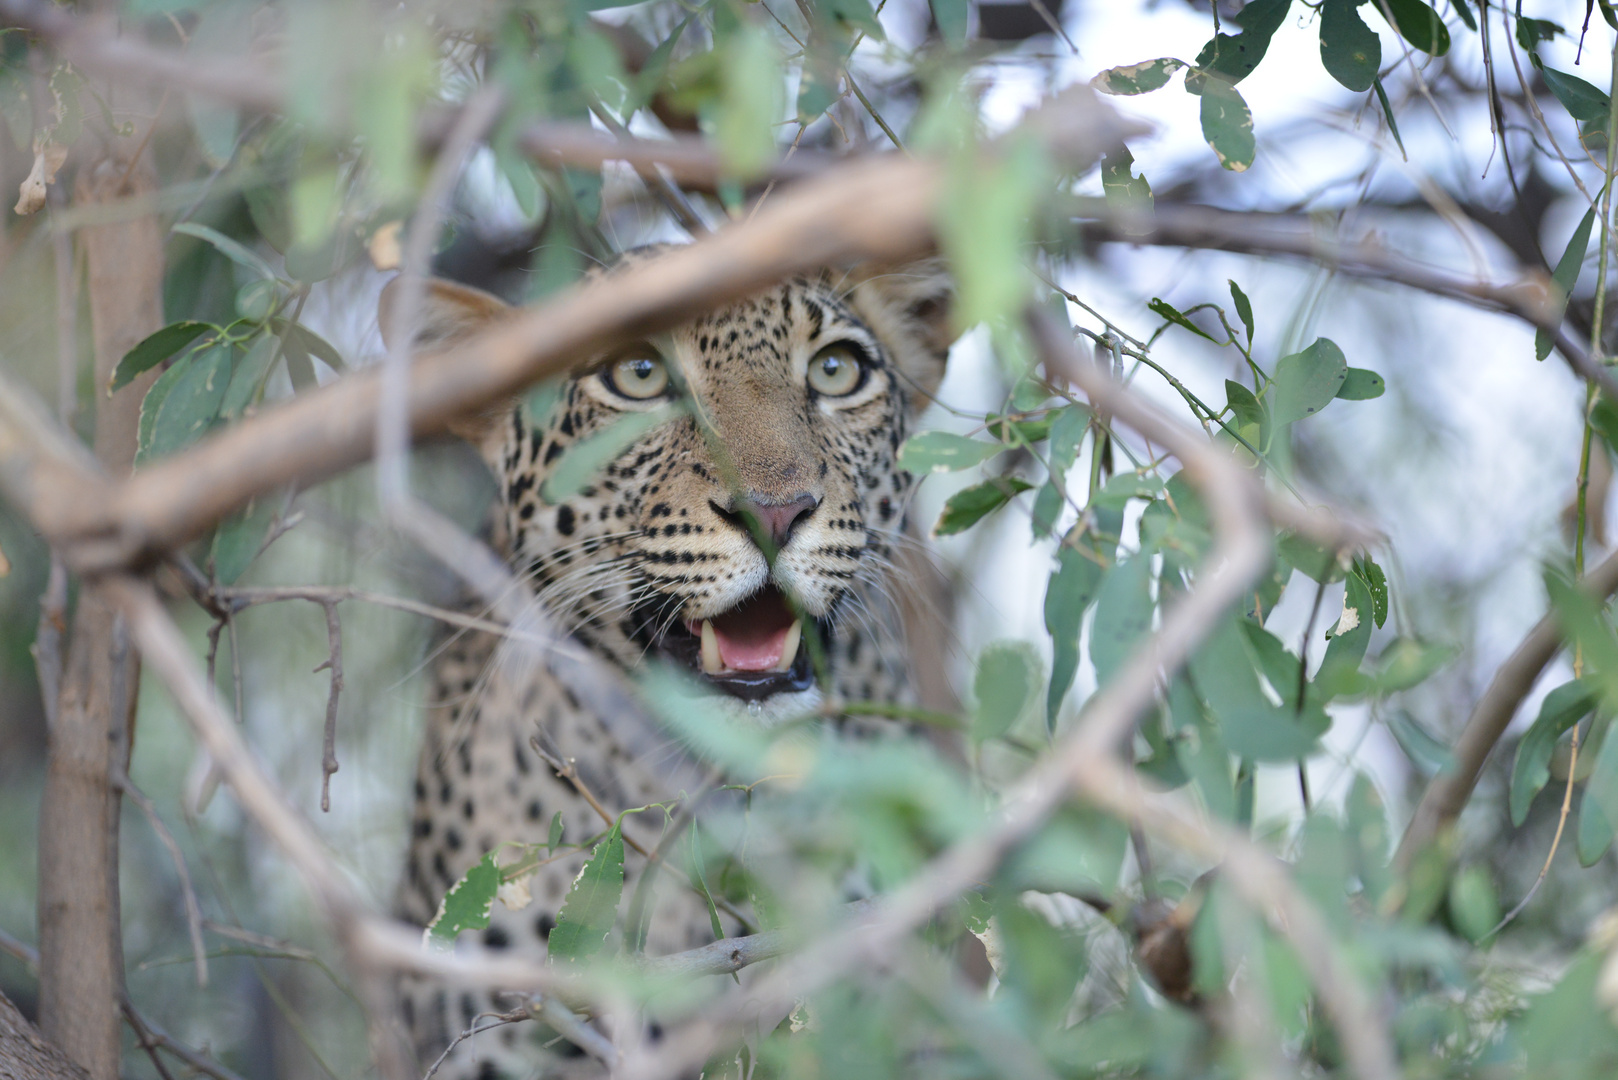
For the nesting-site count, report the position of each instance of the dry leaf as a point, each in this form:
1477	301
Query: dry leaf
31	194
384	247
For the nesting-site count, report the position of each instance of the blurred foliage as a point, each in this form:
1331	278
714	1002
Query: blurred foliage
278	227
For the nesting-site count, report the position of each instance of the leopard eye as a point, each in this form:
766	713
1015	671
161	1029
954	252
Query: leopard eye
837	370
639	375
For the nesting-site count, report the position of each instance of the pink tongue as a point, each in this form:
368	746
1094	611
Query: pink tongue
754	649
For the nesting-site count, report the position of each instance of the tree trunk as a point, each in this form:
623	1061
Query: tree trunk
26	1055
81	956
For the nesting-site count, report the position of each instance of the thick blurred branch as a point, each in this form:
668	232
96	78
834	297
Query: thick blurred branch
878	209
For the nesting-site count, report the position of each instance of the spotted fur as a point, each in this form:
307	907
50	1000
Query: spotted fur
653	532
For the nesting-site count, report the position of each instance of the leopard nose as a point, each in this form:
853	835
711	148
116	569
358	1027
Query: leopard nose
775	520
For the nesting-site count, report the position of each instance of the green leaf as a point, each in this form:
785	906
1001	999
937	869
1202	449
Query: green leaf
967	507
1246	409
1426	752
553	838
1387	114
1362	384
155	349
1305	382
581	461
1006	687
237	540
152	404
1465	13
1174	315
1080	568
744	127
591	907
941	451
1201	750
191	405
1531	771
227	247
1351	51
1225	676
1067	433
1473	906
1598	810
1530	32
1566	275
1418	24
1310	559
1406	663
1244	309
1141	78
1017	432
1227	125
1125	486
1582	100
305	339
467	904
1123	614
1584	623
951	17
247	381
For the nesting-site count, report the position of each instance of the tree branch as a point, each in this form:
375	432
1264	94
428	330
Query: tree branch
1530	298
1441	804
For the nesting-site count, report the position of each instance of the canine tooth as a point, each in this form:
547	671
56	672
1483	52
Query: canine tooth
789	648
711	663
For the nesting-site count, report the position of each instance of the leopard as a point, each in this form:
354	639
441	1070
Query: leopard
752	520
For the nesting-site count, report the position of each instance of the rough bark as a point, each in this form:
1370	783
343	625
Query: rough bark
81	968
25	1054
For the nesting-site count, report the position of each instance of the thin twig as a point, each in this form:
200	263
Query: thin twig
193	910
333	663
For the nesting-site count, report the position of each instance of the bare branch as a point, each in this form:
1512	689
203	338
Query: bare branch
193	910
333	663
1441	804
1529	299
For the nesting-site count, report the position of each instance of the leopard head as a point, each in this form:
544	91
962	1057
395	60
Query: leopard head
746	528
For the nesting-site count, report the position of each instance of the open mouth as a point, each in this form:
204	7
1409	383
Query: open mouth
752	651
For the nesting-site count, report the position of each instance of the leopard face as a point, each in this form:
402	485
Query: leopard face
747	532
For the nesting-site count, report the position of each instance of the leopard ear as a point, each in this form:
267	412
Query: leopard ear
448	313
908	306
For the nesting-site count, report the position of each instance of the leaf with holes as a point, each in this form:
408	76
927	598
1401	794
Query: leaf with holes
941	451
466	906
1141	78
1305	382
1377	582
1531	771
967	507
591	907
